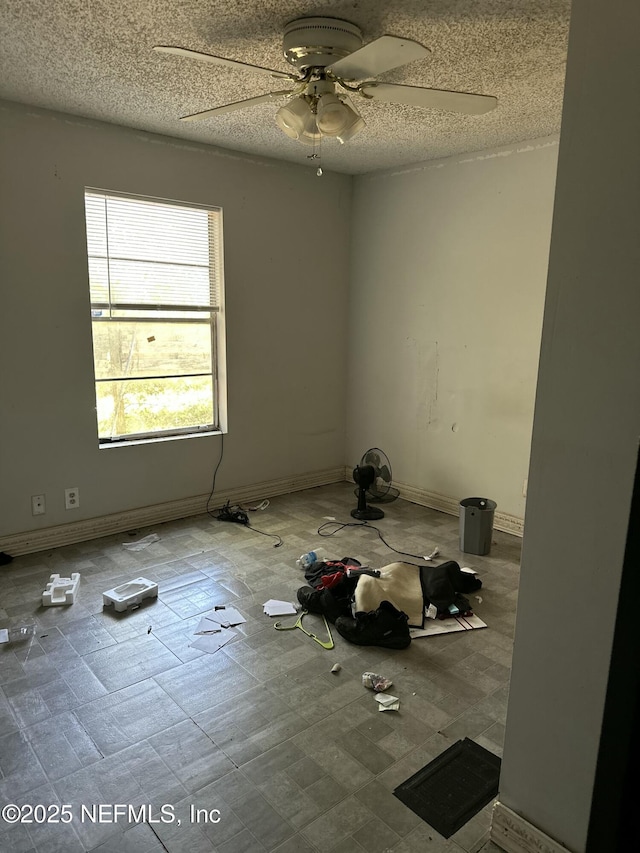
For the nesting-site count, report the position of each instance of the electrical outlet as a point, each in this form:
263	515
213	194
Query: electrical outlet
72	498
524	487
38	506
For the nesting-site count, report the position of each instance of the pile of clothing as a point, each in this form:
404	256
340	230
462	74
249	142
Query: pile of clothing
378	607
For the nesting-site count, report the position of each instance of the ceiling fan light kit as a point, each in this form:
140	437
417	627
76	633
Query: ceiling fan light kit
318	113
329	53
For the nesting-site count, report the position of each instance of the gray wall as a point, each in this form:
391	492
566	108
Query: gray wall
448	269
585	436
446	265
284	290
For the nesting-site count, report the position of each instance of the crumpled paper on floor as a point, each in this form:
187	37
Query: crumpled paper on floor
375	682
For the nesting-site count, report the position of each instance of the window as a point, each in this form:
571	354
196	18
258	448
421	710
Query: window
155	280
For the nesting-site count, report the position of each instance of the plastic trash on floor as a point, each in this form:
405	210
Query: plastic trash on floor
17	634
130	594
141	544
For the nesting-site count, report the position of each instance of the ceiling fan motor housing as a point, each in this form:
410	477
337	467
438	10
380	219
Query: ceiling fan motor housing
318	42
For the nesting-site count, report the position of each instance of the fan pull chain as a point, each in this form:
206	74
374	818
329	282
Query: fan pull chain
317	153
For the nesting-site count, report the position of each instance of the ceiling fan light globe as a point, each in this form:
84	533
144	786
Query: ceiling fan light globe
292	118
355	126
290	132
333	115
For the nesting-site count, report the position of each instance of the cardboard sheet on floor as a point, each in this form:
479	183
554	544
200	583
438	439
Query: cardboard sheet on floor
226	616
205	626
432	627
212	642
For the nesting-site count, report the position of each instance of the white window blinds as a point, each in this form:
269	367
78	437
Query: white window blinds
152	255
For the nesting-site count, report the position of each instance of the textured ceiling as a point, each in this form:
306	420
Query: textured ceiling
93	58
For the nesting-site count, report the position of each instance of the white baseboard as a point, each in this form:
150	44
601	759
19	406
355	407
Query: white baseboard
514	834
501	520
31	541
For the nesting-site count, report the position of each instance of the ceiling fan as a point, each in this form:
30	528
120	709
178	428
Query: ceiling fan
328	55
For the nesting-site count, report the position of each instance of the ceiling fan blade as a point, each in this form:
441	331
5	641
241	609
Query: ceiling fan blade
236	105
432	99
378	56
220	60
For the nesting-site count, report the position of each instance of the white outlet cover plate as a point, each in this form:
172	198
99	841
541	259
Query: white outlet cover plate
130	594
72	498
38	505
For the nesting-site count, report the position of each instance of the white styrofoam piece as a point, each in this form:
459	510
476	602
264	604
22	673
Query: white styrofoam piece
61	590
130	594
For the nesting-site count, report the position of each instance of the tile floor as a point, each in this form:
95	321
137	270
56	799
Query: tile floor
110	709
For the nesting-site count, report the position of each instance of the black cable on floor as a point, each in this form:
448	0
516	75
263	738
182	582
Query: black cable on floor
341	525
239	516
272	535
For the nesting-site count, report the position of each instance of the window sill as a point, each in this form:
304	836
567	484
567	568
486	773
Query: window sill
136	442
